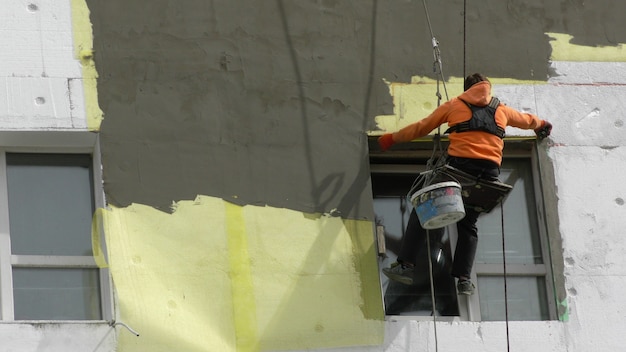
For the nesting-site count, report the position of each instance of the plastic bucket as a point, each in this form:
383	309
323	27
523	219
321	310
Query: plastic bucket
438	205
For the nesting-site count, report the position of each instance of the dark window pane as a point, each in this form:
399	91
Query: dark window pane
50	204
393	214
56	294
520	221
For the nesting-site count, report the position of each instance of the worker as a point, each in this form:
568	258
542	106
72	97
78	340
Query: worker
476	144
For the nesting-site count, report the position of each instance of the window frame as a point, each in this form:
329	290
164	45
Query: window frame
522	270
48	142
408	158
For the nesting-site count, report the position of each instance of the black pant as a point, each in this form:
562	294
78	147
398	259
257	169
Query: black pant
415	235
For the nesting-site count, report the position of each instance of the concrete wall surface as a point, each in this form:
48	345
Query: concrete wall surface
43	105
268	104
56	336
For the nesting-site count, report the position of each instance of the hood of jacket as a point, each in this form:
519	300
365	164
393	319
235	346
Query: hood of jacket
479	94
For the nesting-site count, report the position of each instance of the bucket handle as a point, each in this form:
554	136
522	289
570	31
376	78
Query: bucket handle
425	179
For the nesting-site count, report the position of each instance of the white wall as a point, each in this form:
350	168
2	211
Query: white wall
56	337
42	91
40	79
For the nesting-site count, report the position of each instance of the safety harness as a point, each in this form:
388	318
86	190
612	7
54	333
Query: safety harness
483	119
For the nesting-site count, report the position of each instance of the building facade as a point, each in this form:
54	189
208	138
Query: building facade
204	175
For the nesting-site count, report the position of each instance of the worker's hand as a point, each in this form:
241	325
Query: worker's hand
543	131
385	141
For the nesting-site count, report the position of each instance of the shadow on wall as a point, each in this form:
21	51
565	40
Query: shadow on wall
195	104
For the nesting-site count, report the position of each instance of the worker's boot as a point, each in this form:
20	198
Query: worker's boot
465	287
400	272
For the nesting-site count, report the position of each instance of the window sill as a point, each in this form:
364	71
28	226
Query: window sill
419	318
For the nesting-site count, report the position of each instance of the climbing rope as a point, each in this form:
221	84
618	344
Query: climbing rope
464	37
432	164
506	300
437	64
438	160
438	71
432	290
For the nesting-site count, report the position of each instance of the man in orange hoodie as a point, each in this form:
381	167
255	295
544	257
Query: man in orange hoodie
475	148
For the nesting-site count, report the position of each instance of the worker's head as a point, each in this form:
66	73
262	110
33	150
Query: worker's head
473	79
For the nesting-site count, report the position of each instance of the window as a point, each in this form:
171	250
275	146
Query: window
528	276
47	270
391	183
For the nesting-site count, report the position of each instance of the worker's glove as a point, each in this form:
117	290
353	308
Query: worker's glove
385	141
543	131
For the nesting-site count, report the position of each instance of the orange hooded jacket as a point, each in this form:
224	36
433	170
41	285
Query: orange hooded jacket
470	144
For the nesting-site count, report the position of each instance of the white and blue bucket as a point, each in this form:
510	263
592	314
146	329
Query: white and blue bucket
438	205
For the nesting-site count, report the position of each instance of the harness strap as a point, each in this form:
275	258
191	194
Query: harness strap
466	125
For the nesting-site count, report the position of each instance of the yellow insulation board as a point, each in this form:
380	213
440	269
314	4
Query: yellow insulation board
214	276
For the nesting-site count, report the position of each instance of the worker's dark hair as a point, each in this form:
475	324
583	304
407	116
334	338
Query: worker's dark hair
473	79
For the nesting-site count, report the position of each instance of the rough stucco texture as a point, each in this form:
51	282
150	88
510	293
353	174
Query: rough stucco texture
267	102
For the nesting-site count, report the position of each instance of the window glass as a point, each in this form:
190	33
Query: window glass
400	299
520	222
527	288
56	294
526	298
50	204
392	213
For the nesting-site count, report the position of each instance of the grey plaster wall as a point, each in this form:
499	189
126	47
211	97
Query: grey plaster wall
268	102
